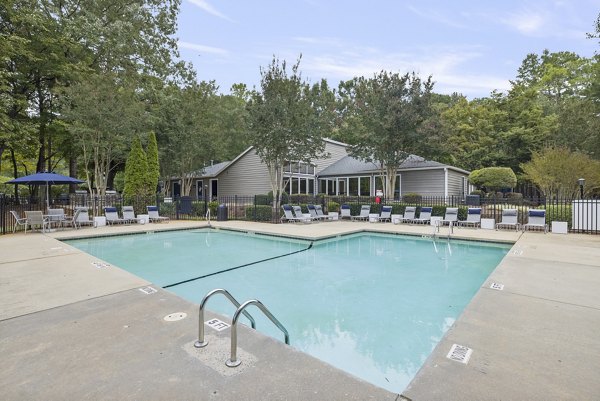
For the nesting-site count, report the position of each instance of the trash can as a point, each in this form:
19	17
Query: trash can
473	200
222	213
185	205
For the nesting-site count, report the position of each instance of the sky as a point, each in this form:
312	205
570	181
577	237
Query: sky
468	46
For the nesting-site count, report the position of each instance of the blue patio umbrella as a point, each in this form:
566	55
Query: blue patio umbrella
46	179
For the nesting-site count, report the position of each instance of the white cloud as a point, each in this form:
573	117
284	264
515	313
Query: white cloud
526	21
202	48
204	5
436	16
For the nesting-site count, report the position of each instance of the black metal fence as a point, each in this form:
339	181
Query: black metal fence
581	216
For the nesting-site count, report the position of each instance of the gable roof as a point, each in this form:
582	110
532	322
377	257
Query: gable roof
211	171
350	166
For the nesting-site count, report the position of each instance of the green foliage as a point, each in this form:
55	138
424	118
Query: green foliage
259	213
283	121
556	170
212	206
263	199
514	195
560	212
333	206
493	178
166	209
412	198
136	171
477	192
382	114
153	172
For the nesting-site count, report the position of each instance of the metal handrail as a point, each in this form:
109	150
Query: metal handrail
208	216
233	361
201	342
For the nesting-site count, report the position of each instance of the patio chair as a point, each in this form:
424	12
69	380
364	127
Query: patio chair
364	213
385	215
36	219
450	217
72	221
299	215
153	215
510	219
288	215
56	217
473	218
313	213
19	221
83	218
409	214
424	216
112	216
321	214
129	214
536	218
345	212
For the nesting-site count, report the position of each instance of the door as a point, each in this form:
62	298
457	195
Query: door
199	189
214	189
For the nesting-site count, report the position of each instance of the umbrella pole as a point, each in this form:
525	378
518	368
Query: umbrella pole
47	196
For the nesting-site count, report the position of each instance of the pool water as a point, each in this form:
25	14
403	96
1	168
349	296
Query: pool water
374	305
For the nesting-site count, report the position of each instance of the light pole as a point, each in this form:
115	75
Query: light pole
205	200
581	182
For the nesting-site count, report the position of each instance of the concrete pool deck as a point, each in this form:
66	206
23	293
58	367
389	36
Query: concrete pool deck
72	328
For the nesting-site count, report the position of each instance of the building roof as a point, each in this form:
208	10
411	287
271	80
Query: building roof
351	166
211	171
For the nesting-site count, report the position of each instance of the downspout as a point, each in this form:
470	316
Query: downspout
446	184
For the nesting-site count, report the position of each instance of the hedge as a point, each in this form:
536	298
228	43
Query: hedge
259	213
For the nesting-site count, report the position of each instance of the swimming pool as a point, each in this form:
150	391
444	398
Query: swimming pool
374	305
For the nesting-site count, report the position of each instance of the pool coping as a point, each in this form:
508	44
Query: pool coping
440	378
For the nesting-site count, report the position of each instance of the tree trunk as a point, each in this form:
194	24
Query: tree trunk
72	173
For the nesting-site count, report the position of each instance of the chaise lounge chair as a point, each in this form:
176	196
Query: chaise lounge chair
451	216
112	216
312	210
364	213
473	218
536	218
345	212
322	215
509	219
424	216
385	215
129	214
288	215
83	218
409	214
153	215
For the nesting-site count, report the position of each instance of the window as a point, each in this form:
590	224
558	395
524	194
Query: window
353	186
342	183
303	185
365	186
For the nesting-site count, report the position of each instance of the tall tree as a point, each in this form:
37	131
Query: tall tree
284	125
383	116
153	172
136	171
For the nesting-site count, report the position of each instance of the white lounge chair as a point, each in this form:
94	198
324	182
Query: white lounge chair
385	215
153	215
112	216
510	219
19	221
321	214
409	214
299	215
473	218
536	219
83	218
312	210
424	216
288	215
345	212
451	216
364	213
36	219
129	214
56	217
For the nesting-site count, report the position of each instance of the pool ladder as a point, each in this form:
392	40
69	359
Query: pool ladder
233	361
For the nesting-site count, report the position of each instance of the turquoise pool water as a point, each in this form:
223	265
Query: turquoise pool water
373	305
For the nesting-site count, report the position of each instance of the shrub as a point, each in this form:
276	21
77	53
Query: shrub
514	195
493	178
259	213
333	206
198	209
212	206
412	197
477	192
167	208
263	199
559	213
